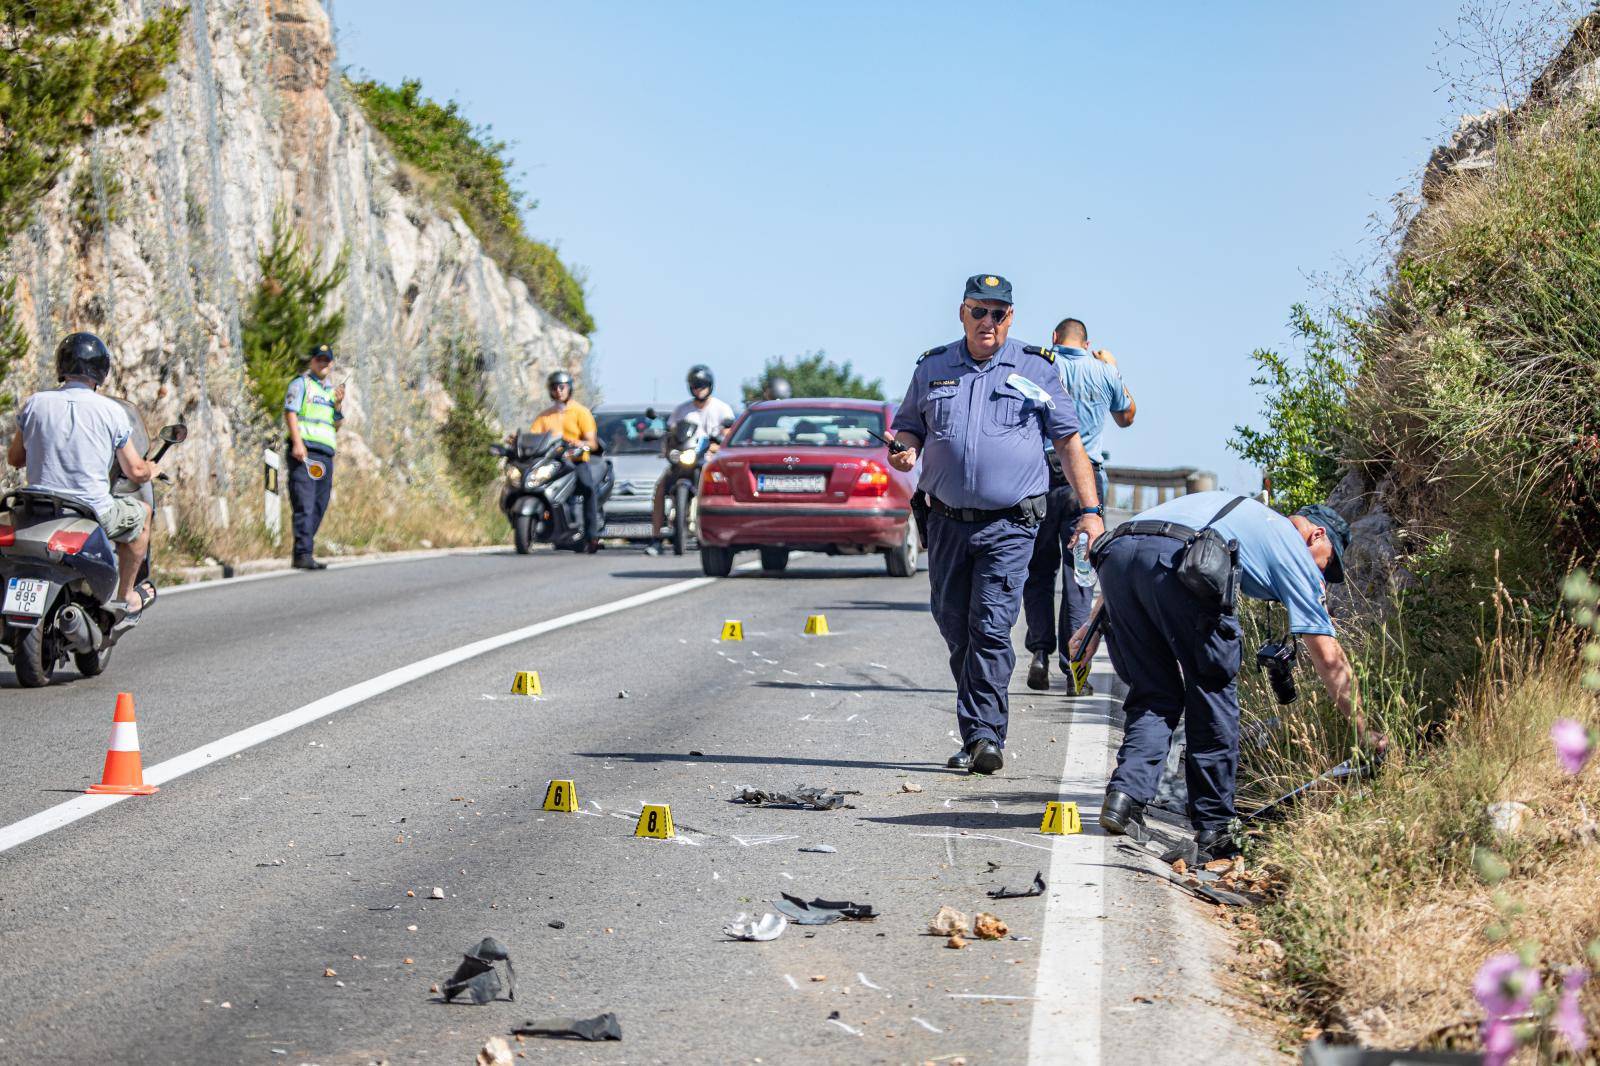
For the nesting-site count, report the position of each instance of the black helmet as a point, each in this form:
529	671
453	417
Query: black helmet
780	389
557	377
700	377
82	355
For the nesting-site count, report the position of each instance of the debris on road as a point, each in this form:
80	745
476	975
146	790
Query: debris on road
956	941
820	849
329	971
601	1027
767	927
623	694
477	975
910	786
1035	889
822	911
557	924
495	1052
274	862
806	796
988	926
948	922
437	893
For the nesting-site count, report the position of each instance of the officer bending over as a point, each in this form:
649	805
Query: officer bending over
977	413
1179	652
1097	390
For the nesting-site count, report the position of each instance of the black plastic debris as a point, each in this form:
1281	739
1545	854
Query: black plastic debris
601	1027
804	796
820	849
1322	1053
477	976
557	924
1035	889
822	911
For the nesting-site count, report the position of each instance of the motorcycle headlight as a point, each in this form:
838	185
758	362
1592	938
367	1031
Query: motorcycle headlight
686	457
542	472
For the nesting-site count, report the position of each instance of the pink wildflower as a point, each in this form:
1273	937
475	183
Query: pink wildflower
1573	744
1504	986
1568	1017
1499	1042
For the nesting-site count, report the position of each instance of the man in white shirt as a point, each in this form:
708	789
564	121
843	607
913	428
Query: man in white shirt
710	416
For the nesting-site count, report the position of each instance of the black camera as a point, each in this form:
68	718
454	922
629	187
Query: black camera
1276	659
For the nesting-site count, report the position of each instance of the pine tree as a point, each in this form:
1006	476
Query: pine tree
814	374
288	313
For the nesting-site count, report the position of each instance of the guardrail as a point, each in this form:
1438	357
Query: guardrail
1138	488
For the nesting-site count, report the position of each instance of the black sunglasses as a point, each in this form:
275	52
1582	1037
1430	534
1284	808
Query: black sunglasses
980	313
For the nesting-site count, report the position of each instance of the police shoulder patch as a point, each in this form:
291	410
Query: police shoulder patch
1047	354
932	351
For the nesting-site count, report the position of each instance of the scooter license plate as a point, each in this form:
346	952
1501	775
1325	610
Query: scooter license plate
25	595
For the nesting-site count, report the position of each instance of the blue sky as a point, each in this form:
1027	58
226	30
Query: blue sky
747	180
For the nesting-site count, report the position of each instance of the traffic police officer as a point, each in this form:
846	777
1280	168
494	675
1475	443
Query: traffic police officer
977	413
1097	391
311	410
1180	655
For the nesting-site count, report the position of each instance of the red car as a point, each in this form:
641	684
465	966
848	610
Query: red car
807	474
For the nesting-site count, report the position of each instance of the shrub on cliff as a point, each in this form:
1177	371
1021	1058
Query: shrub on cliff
288	313
472	172
468	430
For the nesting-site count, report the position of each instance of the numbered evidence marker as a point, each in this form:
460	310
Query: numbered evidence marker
655	821
526	683
560	796
732	630
1080	678
816	625
1061	818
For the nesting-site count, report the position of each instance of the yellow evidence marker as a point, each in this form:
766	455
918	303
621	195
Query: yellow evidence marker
655	821
1061	818
732	630
560	796
816	625
1080	678
526	683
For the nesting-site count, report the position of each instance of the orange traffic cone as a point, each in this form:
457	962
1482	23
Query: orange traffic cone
124	776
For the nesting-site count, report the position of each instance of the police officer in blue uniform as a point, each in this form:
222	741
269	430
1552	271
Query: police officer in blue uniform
977	414
311	416
1180	654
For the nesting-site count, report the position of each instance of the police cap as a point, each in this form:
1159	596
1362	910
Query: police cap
1338	535
320	351
988	287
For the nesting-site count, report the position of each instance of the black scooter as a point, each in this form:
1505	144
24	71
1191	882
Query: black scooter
540	497
58	570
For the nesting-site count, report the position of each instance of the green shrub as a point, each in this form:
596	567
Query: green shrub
288	313
471	171
468	430
814	374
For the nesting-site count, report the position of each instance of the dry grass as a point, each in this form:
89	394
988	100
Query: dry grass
1382	919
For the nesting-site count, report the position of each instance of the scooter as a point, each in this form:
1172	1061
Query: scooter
540	497
60	574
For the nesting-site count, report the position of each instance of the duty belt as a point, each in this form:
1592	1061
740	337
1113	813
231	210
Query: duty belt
1149	528
1022	512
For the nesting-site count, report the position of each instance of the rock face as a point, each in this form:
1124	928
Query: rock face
152	242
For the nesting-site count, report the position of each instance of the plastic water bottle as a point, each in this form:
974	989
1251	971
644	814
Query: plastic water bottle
1082	572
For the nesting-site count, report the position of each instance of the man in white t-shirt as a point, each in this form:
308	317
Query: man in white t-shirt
710	416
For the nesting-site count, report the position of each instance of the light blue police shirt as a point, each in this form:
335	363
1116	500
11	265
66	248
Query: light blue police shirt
1096	388
1274	562
981	435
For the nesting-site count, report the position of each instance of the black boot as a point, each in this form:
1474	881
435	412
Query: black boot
305	562
962	759
1039	671
1122	815
1210	844
986	758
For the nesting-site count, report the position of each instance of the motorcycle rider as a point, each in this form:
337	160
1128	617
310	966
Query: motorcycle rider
574	423
67	439
709	416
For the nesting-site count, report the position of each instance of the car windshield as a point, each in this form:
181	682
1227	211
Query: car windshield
817	427
630	432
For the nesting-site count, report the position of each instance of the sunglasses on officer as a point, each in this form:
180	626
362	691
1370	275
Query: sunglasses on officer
980	313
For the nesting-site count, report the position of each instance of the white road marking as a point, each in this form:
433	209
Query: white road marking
64	814
926	1026
792	983
867	983
1066	1018
986	995
846	1028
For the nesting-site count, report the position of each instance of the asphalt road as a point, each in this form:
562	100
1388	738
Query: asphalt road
197	925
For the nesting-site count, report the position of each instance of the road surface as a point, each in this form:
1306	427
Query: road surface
331	747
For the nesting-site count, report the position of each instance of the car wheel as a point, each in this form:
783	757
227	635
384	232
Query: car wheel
902	561
774	560
716	562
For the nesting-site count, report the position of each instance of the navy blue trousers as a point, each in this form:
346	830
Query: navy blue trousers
975	576
308	499
1180	660
1052	562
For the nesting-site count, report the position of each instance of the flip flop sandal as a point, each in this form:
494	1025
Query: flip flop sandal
147	596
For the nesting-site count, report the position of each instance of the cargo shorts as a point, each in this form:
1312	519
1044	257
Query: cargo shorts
124	520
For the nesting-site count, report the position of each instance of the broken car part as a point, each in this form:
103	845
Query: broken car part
601	1027
1035	889
477	975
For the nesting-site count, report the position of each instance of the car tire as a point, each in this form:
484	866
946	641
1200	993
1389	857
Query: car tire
522	532
774	560
902	561
716	562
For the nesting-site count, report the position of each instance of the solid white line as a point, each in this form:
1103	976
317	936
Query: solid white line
66	813
1066	1016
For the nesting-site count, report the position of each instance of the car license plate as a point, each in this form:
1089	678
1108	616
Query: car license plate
791	483
25	596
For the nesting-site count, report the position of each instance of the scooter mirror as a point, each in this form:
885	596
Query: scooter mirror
175	434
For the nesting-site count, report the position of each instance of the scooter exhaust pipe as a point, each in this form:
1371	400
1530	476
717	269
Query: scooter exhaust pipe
77	629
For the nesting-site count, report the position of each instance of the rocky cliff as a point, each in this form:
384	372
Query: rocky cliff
152	242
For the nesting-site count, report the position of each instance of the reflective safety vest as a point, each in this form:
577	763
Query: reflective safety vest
316	415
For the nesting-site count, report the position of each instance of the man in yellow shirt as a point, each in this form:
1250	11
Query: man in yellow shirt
575	424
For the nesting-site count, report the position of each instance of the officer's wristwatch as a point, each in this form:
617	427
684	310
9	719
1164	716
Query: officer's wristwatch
1099	509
